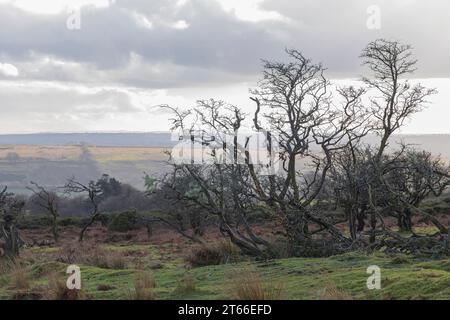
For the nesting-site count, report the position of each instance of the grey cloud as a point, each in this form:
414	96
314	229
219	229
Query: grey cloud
335	31
51	100
113	48
214	43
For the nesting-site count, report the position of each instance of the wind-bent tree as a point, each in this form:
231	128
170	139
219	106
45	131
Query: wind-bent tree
49	201
295	106
304	113
221	186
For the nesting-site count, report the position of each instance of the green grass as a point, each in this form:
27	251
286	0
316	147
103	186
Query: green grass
301	278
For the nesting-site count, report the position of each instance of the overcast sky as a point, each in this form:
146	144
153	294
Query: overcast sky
106	70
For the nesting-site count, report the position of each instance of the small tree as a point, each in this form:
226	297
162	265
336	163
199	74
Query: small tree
49	201
93	192
10	208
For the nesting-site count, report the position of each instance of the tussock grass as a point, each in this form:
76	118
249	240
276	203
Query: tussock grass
144	285
331	292
57	290
248	285
302	278
187	284
20	279
93	255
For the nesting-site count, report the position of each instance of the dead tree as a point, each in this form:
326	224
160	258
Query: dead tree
92	190
47	200
221	185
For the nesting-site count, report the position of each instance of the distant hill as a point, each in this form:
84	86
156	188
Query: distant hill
435	143
147	139
438	144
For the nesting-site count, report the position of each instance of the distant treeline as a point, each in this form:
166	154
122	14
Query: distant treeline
113	196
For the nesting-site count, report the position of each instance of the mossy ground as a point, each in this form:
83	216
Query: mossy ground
301	278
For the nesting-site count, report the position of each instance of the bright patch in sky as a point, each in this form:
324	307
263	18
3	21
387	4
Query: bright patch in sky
250	10
54	6
8	70
181	24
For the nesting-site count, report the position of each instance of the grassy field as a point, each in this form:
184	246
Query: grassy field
101	154
131	266
52	165
158	270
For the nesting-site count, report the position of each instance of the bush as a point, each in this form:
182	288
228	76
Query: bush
44	221
72	221
214	254
318	249
279	249
124	221
33	222
399	259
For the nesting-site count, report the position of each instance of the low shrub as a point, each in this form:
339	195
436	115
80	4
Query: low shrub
279	249
314	248
124	221
105	287
399	259
216	253
72	221
33	222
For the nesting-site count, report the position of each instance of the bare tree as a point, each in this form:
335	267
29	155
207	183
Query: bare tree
301	116
49	201
395	99
368	179
323	158
310	129
220	187
93	192
393	102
